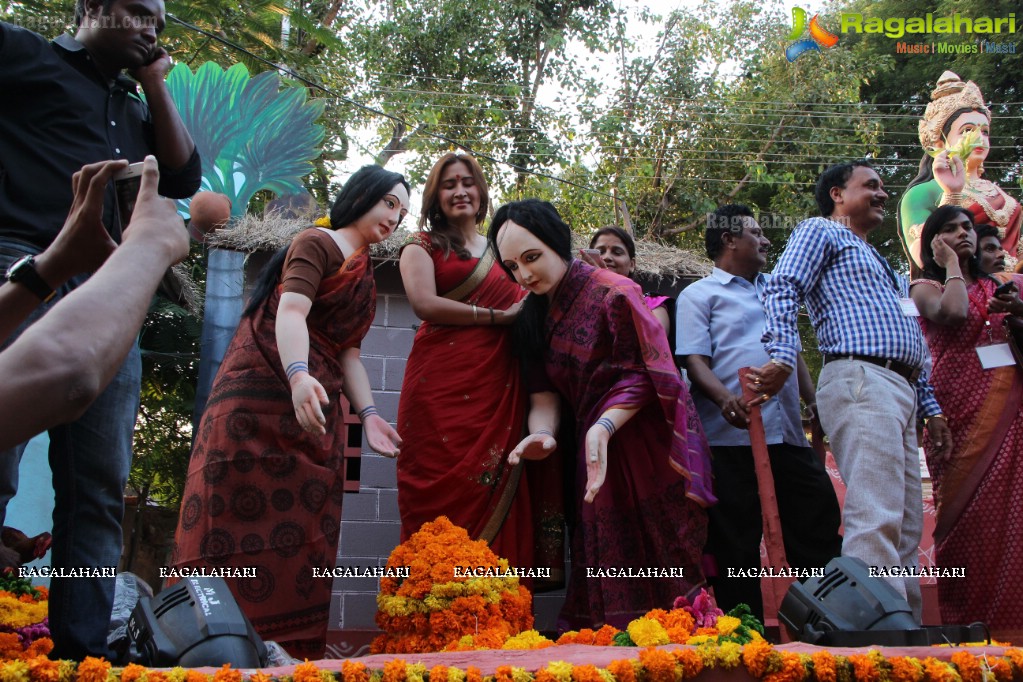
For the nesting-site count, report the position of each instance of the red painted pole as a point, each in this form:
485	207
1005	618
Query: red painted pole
768	497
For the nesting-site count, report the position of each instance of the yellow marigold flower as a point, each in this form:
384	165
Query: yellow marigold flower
729	654
530	639
726	624
647	632
454	675
560	670
68	670
322	222
15	671
414	672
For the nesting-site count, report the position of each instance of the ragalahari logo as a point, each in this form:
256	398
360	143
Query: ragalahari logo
819	36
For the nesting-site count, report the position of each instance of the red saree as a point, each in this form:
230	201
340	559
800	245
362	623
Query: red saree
978	492
261	492
606	350
461	412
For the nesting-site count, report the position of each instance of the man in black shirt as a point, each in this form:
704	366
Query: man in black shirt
66	104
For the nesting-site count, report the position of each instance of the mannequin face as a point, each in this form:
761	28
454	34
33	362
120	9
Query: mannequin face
963	124
533	264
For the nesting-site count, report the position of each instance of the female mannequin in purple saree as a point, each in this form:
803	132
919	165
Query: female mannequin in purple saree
643	461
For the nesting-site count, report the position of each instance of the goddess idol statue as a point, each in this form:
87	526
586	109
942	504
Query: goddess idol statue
955	133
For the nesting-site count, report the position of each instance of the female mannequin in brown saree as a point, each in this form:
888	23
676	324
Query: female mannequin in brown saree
462	405
265	481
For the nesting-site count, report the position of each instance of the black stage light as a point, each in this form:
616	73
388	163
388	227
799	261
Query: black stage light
192	624
849	607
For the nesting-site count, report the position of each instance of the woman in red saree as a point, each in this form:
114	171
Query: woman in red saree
462	406
977	488
264	485
643	467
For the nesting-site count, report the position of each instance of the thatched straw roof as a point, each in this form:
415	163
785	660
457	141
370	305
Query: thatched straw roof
271	232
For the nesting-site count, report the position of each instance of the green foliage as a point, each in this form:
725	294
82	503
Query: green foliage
251	134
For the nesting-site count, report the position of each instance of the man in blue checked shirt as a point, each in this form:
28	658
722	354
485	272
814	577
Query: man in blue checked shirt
872	385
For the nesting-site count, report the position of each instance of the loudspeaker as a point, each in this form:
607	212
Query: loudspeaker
192	624
849	607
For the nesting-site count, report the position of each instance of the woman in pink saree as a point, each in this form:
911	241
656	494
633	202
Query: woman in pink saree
978	488
642	467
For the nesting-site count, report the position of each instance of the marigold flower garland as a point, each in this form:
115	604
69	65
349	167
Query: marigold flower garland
722	642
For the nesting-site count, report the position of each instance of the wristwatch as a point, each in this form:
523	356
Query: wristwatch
23	271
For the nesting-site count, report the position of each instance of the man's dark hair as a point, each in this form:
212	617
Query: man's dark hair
836	176
726	219
80	10
984	231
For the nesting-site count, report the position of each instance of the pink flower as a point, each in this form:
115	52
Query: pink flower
703	609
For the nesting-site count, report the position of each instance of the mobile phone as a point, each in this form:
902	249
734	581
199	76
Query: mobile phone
126	187
592	253
1007	288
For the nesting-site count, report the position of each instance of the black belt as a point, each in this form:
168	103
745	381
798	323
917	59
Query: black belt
907	372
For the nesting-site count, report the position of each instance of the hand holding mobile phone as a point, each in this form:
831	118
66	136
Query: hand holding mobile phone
126	187
1007	288
592	256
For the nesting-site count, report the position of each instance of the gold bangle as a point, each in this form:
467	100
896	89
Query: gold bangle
952	277
934	416
951	199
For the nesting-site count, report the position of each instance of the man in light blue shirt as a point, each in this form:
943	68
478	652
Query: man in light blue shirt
720	322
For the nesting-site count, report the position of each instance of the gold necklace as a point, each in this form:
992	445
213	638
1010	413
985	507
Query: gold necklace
980	189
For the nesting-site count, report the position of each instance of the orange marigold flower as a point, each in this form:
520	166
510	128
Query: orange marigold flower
157	676
824	666
939	671
503	673
658	665
586	673
132	672
605	635
864	668
1000	668
473	674
690	661
196	676
438	673
394	671
305	672
93	670
543	676
968	666
756	656
905	669
792	669
226	674
260	676
41	647
43	669
623	671
1015	657
10	645
353	671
